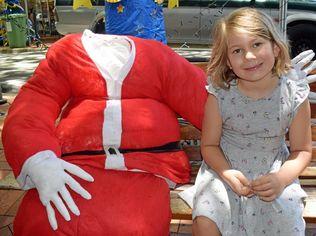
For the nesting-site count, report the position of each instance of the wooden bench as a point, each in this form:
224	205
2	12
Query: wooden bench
181	211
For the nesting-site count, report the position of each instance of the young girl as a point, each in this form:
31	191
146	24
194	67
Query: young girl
247	184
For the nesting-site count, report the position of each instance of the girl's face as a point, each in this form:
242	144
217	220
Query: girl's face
251	57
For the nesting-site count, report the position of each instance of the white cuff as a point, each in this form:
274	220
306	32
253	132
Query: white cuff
24	178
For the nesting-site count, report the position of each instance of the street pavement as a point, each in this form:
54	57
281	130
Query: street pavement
17	66
194	54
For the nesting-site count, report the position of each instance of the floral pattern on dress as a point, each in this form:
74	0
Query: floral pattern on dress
253	141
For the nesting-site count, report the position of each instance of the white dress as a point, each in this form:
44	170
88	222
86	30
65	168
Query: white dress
253	141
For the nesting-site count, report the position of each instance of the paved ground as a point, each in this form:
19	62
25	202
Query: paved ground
16	68
194	54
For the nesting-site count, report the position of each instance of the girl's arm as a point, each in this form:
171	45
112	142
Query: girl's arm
300	145
270	186
212	153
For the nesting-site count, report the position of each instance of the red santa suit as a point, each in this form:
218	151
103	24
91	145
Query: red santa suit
118	98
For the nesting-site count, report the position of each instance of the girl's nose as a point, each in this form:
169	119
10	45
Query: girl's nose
249	55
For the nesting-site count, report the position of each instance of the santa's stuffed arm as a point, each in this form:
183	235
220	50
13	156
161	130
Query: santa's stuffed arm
29	140
183	87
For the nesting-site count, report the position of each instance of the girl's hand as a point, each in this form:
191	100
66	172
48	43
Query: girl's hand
237	181
268	187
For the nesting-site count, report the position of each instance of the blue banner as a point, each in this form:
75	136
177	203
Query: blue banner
140	18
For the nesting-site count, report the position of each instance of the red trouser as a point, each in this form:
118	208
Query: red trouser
123	203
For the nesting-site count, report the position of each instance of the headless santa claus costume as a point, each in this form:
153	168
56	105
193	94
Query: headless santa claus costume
119	124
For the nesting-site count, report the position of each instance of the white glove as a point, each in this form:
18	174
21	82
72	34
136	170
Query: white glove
299	70
312	97
50	178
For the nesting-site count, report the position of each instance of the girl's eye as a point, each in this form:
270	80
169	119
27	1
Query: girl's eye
255	45
236	51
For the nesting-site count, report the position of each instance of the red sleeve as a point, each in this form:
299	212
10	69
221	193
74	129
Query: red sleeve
30	124
184	89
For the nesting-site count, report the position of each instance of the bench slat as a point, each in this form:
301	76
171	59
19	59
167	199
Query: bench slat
189	132
309	213
308	182
180	210
193	152
310	171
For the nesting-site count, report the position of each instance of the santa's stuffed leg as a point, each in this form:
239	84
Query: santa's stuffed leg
146	210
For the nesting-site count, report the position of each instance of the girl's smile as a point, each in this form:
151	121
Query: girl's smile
251	57
253	68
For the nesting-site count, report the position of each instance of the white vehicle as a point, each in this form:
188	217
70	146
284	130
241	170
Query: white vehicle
191	23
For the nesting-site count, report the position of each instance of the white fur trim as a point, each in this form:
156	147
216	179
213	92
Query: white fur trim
24	179
112	124
115	161
170	183
113	55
